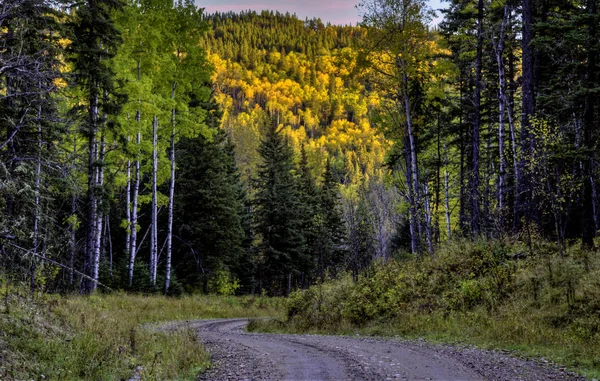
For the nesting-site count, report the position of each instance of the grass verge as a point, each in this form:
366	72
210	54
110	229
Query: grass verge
494	295
101	337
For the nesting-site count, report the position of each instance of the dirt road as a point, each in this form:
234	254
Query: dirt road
238	355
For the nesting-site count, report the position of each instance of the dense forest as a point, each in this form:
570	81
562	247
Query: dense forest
147	146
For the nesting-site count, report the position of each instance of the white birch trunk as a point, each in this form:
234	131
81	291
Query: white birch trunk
99	217
428	233
502	100
134	211
171	199
92	200
447	195
154	229
413	158
128	207
73	224
36	212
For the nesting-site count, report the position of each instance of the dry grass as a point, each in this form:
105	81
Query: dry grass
101	337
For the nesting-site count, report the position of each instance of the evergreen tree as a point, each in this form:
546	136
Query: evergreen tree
331	252
276	206
29	61
95	40
209	212
311	216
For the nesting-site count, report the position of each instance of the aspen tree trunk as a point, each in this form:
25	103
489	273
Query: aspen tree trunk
447	194
412	212
132	218
99	216
413	161
590	124
462	188
134	207
128	206
171	196
522	186
72	226
502	100
36	212
428	219
108	238
154	224
92	198
438	184
474	183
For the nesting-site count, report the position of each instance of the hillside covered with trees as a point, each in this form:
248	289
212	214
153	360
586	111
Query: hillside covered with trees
147	146
142	157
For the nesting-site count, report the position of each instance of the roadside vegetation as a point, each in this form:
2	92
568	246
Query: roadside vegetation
103	337
494	294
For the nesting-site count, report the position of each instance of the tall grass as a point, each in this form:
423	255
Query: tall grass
102	337
492	294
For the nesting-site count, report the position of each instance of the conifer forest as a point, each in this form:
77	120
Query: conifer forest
148	146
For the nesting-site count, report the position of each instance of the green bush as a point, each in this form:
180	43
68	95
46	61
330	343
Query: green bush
482	292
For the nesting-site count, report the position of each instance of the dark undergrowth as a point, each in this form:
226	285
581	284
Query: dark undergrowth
491	294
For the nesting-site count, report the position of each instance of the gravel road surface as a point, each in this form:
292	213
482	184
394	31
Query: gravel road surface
238	355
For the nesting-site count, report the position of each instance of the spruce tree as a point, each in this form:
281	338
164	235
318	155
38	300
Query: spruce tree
209	213
95	40
311	216
277	204
332	252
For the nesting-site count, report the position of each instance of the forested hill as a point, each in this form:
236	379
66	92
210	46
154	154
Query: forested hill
303	75
244	36
257	152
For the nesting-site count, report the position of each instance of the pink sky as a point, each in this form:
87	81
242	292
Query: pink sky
335	11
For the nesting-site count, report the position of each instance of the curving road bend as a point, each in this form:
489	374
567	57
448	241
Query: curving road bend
238	355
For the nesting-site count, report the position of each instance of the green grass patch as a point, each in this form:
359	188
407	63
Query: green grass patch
102	337
490	294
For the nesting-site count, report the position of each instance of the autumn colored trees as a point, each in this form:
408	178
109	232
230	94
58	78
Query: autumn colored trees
151	147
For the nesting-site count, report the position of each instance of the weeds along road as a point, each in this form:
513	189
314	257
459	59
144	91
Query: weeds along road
238	355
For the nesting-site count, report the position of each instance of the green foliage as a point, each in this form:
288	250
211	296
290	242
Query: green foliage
224	283
488	293
281	248
209	210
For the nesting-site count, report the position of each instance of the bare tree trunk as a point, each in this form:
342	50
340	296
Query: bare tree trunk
73	224
502	103
171	197
154	223
413	163
447	194
128	207
590	124
474	183
428	219
91	196
108	238
36	211
134	211
132	239
522	188
99	216
412	214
